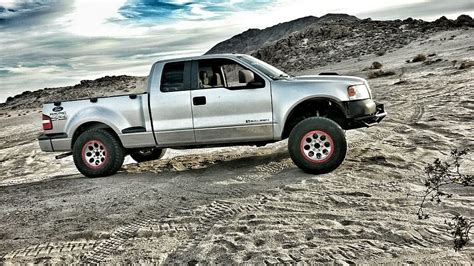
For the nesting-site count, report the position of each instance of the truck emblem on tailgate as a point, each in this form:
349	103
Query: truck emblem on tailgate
58	109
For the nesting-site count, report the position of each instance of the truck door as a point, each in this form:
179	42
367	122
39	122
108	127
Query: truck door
230	103
170	104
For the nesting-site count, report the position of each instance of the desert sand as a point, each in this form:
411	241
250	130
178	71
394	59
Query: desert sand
253	205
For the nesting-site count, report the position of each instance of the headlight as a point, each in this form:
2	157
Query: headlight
358	92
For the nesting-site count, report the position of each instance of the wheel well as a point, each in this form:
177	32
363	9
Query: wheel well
91	125
311	108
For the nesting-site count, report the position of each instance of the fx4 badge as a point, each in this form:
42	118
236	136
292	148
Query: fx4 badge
256	121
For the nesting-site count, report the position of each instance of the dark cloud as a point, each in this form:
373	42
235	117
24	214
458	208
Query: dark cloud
163	10
155	10
32	12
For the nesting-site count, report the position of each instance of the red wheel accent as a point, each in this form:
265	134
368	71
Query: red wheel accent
317	146
94	154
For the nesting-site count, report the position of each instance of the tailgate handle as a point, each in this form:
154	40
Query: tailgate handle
201	100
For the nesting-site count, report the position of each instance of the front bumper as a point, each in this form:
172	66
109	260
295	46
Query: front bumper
365	113
54	142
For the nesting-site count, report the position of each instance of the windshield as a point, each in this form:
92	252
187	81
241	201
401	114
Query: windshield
263	67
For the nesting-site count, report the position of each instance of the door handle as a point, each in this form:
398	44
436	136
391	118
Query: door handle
201	100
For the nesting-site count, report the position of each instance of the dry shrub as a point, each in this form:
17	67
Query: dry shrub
440	174
466	65
376	65
380	73
419	58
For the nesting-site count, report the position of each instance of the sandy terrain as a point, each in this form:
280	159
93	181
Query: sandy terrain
252	205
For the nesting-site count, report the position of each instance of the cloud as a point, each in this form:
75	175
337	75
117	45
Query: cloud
46	43
164	11
22	13
428	9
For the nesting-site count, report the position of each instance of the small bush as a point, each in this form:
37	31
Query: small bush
376	65
466	65
419	58
442	174
379	73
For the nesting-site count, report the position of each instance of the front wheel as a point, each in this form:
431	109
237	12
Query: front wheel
317	145
98	153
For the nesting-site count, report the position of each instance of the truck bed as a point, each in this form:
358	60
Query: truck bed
126	114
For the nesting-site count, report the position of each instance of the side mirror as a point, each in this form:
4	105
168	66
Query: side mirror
246	76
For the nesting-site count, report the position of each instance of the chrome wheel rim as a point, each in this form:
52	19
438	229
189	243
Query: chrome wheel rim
94	154
317	146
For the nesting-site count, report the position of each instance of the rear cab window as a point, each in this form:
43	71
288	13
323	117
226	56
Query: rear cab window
173	77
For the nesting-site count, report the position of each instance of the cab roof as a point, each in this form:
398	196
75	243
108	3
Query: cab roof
208	56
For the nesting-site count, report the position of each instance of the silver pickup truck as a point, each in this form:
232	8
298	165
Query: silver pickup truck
209	101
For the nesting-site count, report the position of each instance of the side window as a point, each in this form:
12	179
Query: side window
210	74
231	71
172	78
238	77
219	73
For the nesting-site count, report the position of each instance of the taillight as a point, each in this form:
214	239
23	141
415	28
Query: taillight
47	123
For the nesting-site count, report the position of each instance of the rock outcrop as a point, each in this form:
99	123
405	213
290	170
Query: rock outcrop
333	38
105	86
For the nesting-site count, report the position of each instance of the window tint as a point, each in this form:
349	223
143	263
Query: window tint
172	78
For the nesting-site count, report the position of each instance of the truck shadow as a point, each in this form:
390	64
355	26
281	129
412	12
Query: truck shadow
229	160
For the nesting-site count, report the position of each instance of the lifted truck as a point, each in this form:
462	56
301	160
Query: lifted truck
211	101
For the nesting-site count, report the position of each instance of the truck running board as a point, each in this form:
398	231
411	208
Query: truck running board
62	156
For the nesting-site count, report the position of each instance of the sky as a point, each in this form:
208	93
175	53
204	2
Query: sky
50	43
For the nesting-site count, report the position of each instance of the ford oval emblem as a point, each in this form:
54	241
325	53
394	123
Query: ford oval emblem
58	109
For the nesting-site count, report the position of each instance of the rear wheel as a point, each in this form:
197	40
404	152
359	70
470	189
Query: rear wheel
150	154
317	145
98	153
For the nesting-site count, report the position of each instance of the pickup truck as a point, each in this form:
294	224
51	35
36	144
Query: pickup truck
211	101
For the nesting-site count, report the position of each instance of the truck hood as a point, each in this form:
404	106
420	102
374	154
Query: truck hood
346	79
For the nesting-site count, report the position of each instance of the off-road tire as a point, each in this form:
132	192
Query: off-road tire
147	154
109	151
317	145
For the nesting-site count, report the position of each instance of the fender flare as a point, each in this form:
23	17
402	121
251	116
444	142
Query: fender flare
90	115
331	100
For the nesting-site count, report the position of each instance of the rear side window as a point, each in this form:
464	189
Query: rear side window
172	78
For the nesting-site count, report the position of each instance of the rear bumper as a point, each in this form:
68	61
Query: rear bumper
54	142
365	113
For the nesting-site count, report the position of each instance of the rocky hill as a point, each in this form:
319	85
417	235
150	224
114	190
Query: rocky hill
314	42
254	39
106	86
